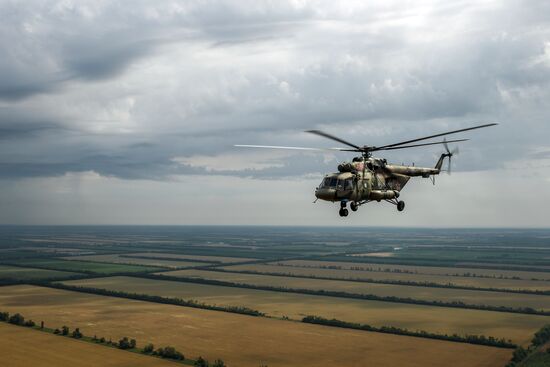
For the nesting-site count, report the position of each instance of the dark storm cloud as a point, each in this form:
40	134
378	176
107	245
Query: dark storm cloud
124	88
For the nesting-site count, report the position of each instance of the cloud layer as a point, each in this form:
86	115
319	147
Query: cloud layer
159	91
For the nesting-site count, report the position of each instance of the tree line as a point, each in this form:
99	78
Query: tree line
152	298
210	262
342	294
436	262
540	338
124	343
406	271
390	281
471	339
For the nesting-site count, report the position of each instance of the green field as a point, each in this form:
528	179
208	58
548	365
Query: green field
85	266
383	290
118	259
18	273
207	258
539	359
517	327
395	276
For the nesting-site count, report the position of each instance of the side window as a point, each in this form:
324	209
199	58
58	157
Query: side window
348	184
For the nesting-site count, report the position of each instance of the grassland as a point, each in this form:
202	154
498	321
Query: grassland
22	347
435	270
539	359
384	290
478	282
214	259
238	340
441	320
118	259
85	266
18	273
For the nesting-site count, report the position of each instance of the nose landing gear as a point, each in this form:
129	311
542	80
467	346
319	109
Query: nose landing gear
343	211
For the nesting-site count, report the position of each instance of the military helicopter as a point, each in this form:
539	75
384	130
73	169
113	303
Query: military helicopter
366	178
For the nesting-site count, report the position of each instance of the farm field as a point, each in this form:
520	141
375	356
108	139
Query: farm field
117	259
436	270
237	339
18	273
517	327
207	258
379	275
22	347
424	293
85	266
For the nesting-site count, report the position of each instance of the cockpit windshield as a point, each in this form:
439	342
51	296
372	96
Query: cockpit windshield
335	183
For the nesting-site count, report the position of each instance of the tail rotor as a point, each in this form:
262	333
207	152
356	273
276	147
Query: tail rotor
449	154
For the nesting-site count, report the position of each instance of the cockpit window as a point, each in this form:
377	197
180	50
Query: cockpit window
334	183
348	184
330	182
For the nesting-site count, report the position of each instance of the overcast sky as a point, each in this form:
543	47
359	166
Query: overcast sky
126	112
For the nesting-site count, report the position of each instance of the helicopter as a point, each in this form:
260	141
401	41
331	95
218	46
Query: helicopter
366	179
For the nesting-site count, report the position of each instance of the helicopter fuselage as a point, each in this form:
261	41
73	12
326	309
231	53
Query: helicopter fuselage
371	179
367	179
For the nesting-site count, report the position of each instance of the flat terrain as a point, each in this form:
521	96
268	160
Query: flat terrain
438	270
214	259
117	259
22	347
18	273
393	276
424	293
86	266
239	340
517	327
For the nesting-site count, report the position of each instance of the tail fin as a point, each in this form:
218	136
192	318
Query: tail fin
440	161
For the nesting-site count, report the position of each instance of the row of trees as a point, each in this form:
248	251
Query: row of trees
389	281
210	262
16	319
124	343
540	338
342	294
404	271
440	263
472	339
153	298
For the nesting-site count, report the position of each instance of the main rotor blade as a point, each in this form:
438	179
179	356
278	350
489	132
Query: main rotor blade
328	136
292	148
421	145
434	136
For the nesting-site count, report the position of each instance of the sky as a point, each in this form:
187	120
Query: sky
127	112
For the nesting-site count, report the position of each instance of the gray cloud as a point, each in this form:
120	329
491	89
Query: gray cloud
124	90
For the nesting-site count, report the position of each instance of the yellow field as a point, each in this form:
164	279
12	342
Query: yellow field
424	269
239	340
517	327
117	259
424	293
222	259
433	278
23	347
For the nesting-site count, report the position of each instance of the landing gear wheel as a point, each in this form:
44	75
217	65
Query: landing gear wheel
343	212
353	206
343	204
400	205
